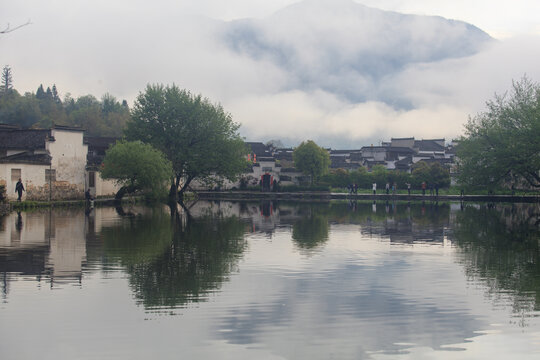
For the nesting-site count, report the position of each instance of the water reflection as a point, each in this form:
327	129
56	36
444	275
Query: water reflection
500	246
182	261
341	279
311	229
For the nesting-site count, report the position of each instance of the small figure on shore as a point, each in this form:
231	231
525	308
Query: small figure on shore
437	190
87	195
408	188
19	188
394	188
423	188
462	193
355	188
374	188
387	188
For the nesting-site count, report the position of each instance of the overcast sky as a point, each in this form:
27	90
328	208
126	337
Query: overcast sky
94	47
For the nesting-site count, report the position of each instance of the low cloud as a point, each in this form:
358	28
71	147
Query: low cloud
319	90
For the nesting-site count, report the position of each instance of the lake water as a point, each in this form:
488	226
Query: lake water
272	280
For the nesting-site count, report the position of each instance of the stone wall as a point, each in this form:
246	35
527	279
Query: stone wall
61	190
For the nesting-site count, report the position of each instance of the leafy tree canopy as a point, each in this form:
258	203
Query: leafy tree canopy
431	173
44	108
311	159
136	166
198	137
503	143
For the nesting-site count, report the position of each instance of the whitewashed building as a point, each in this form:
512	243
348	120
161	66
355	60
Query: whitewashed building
53	164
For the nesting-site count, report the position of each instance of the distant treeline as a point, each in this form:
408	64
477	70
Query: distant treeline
104	117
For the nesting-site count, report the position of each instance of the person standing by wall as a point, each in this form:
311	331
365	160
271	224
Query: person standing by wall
19	188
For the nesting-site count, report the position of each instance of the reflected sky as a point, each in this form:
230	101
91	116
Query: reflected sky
272	281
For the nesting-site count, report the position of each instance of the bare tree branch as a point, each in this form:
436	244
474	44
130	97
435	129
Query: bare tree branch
8	29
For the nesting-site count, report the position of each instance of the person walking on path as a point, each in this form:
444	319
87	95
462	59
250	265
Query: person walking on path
394	188
408	188
423	188
19	188
387	188
374	188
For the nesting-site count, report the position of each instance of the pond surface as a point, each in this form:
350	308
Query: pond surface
269	280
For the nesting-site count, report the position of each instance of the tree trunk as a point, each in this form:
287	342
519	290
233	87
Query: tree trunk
173	191
123	191
183	189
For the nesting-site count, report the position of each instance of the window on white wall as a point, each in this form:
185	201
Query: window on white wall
50	175
15	174
91	179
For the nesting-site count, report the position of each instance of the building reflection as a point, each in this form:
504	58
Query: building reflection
173	258
60	243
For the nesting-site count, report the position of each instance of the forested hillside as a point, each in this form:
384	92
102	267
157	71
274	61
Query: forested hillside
44	107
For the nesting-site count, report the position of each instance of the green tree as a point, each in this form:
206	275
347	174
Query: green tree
199	138
379	175
432	173
311	159
136	166
502	142
7	80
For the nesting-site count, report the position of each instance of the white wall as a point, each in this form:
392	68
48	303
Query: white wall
69	156
32	176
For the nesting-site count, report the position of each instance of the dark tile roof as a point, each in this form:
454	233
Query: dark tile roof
68	128
259	149
337	162
99	142
289	170
380	148
400	149
341	152
29	139
428	145
404	161
9	127
284	156
27	158
441	161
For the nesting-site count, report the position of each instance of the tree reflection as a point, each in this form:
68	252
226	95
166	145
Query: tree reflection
138	239
500	245
175	260
311	230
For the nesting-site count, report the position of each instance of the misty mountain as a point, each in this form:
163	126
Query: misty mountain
346	48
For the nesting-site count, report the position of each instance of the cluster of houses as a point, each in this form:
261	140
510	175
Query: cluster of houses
270	163
62	163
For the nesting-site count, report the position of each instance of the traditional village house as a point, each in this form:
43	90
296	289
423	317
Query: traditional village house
97	146
264	169
50	162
